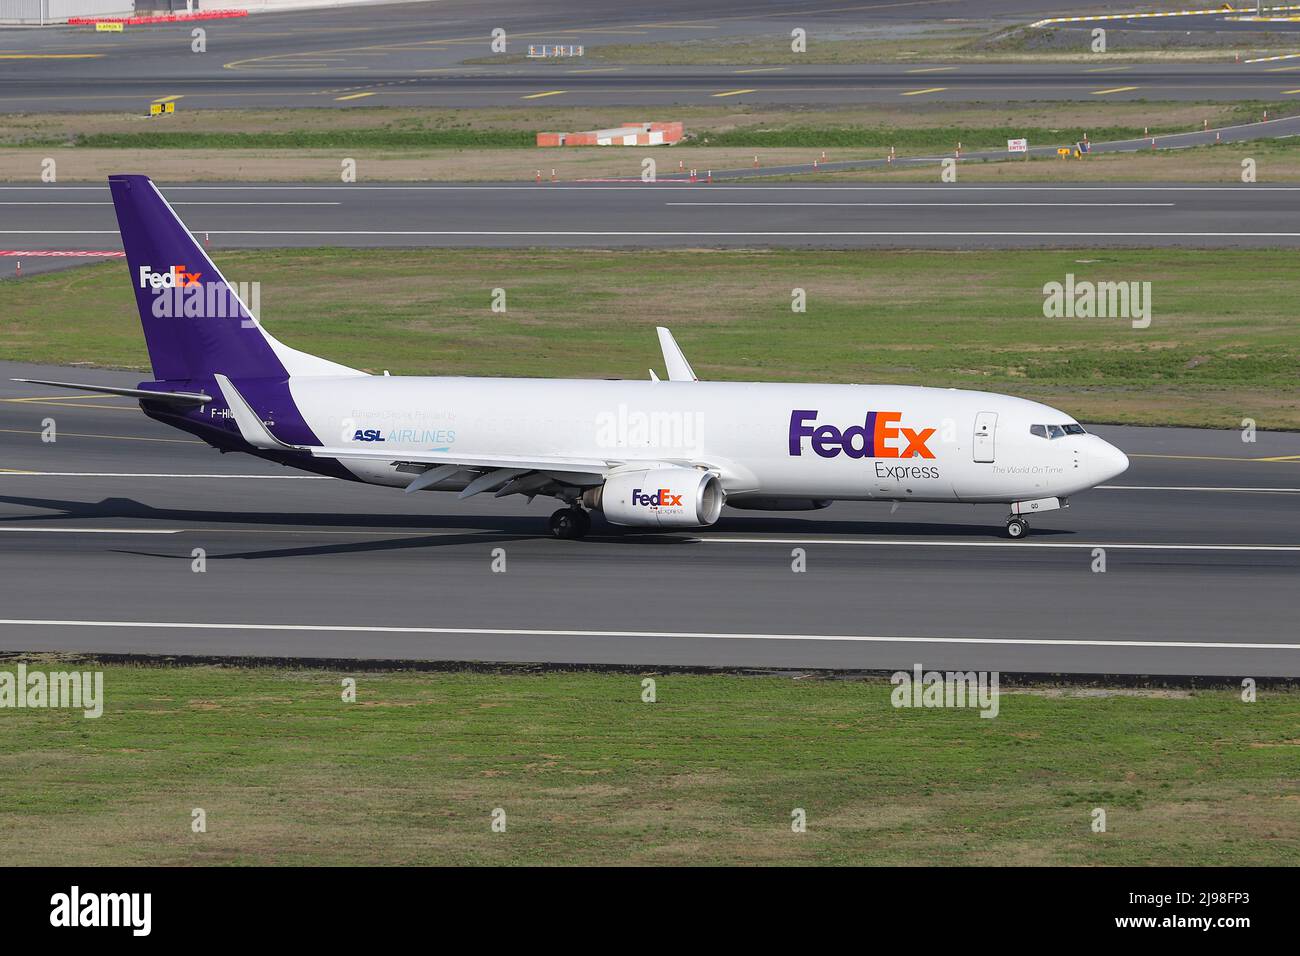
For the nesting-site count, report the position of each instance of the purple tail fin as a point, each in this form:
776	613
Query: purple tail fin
194	321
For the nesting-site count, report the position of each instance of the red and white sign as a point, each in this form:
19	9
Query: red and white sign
1017	146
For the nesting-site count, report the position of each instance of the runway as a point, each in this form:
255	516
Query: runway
70	89
97	533
416	55
664	215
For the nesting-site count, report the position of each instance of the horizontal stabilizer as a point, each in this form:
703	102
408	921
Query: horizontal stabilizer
250	423
144	394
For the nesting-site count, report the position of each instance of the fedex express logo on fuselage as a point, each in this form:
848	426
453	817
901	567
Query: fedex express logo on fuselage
879	436
174	278
662	498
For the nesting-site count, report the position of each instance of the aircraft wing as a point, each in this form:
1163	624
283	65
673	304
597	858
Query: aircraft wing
528	463
504	474
255	432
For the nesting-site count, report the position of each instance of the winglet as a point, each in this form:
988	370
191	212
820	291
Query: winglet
679	370
249	422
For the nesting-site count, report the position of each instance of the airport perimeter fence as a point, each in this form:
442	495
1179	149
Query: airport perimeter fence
38	12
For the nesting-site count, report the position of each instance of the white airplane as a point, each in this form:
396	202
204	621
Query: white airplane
658	454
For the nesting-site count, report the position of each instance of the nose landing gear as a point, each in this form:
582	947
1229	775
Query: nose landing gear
1017	527
570	523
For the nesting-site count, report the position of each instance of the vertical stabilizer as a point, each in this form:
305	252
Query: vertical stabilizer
195	322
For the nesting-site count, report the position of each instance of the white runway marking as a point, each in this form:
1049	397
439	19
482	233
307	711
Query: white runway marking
697	635
182	203
98	530
413	533
914	543
859	542
492	187
677	234
936	205
128	474
1192	488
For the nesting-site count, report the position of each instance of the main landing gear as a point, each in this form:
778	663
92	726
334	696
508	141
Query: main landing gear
570	523
1017	527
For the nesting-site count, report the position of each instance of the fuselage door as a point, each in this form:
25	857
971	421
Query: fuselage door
986	424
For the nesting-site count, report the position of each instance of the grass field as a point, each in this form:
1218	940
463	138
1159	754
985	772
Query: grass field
389	140
391	127
587	773
1224	342
948	46
451	146
495	144
1277	161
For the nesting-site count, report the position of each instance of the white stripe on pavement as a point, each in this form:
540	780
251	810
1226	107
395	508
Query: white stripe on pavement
959	205
1193	488
98	530
130	474
182	203
696	635
927	543
954	188
678	234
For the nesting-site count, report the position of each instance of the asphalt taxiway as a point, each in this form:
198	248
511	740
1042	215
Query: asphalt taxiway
98	530
440	55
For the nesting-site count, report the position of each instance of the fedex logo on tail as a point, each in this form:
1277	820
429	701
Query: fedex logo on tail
174	278
662	498
879	436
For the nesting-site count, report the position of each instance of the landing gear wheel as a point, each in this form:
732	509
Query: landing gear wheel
570	523
1017	527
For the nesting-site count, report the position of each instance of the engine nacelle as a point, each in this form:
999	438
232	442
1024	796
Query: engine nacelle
659	498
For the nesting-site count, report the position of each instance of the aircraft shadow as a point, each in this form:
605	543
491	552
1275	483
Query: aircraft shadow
138	511
466	529
793	526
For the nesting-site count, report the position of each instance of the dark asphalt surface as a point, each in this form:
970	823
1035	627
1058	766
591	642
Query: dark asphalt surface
413	55
1202	540
36	218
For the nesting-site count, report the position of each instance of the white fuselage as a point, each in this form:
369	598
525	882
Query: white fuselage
801	441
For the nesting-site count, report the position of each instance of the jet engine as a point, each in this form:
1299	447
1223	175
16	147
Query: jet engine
659	498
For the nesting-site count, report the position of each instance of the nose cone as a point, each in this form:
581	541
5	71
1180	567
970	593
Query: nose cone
1108	461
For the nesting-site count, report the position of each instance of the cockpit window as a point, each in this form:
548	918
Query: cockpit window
1056	431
